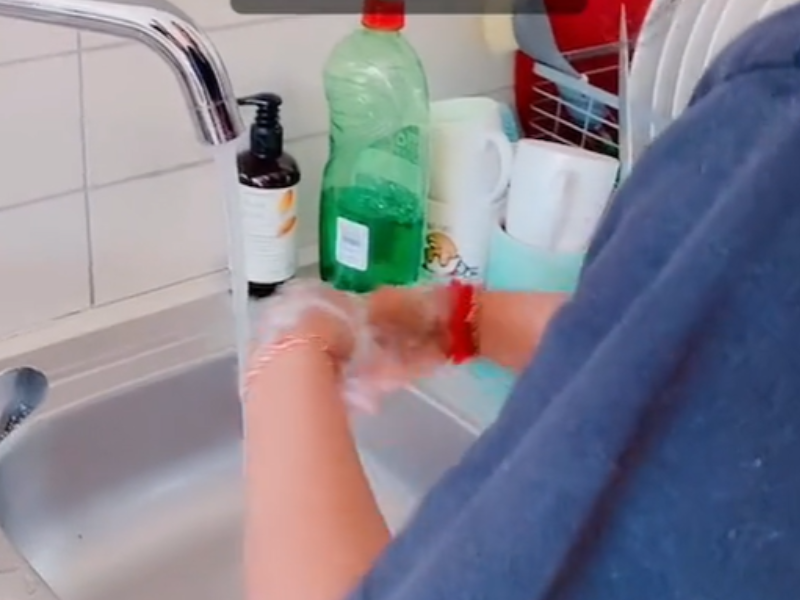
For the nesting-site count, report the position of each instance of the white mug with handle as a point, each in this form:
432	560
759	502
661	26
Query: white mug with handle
472	156
558	194
457	241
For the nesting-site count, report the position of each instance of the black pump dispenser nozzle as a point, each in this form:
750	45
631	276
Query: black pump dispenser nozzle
266	132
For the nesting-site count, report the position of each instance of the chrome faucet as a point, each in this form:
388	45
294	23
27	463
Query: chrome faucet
165	29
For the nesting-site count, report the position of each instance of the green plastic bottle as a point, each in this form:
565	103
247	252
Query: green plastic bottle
375	183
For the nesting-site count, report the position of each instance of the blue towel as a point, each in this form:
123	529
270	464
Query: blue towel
651	451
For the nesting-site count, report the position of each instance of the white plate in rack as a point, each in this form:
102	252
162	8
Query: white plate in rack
691	66
669	67
773	6
736	17
642	74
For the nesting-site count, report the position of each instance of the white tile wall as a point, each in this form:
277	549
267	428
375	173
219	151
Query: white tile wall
44	251
40	129
154	231
21	40
106	194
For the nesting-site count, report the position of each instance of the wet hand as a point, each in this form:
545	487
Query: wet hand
381	341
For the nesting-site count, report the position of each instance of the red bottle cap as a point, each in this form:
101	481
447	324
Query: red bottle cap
384	15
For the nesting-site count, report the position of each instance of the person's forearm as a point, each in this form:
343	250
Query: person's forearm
510	325
313	527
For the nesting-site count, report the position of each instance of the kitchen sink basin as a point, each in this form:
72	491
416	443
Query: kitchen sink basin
137	495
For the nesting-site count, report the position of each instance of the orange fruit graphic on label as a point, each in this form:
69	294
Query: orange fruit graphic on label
287	226
286	202
440	249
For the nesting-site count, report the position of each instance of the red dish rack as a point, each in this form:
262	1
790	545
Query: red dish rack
590	42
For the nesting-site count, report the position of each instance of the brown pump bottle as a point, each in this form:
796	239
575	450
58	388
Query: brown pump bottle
268	179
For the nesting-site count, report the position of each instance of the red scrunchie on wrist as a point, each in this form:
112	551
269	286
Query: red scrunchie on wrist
461	325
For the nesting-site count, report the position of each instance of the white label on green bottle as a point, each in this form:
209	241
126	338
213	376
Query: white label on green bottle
352	244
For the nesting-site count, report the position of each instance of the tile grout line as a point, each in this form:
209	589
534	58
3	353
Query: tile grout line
119	44
141	294
31	59
172	169
139	176
85	175
307	258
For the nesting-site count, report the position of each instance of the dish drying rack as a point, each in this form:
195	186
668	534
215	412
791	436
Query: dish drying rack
589	111
563	108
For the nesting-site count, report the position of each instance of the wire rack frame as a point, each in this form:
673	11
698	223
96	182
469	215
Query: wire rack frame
572	122
578	111
593	110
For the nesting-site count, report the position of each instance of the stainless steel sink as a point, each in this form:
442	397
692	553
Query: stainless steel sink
137	495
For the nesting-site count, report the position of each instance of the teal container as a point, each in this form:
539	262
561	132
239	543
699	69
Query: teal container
517	267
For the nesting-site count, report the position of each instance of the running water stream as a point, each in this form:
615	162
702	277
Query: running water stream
225	159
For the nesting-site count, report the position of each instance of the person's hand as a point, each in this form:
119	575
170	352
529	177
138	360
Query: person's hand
381	341
308	309
410	329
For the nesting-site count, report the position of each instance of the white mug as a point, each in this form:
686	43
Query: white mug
457	241
558	194
471	155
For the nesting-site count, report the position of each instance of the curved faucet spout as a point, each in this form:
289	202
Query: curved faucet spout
167	30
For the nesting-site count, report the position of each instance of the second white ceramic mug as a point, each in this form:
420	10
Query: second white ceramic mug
558	194
472	156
